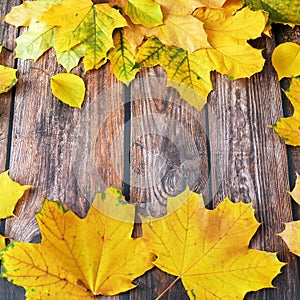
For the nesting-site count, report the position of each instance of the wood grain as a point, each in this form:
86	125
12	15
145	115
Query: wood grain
168	152
250	162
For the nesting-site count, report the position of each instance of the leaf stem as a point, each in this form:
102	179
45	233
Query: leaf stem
168	288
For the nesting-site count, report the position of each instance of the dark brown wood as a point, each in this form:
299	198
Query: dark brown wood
250	162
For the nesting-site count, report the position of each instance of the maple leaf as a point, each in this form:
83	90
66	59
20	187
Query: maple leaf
291	233
79	258
208	249
289	128
286	60
279	11
122	58
69	88
190	78
81	21
145	12
10	193
228	34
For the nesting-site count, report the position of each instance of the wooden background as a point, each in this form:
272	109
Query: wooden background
149	143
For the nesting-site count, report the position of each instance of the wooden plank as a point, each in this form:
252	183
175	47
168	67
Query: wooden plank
168	151
249	162
285	33
62	151
7	35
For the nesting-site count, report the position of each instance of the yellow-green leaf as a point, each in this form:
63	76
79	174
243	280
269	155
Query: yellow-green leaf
81	21
185	72
10	193
69	59
286	60
122	58
289	128
79	258
228	35
7	78
69	88
145	12
208	249
279	11
37	40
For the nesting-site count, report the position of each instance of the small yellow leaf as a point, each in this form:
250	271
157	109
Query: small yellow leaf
289	128
69	88
122	58
7	78
2	241
79	258
291	236
145	12
10	193
208	249
286	60
295	193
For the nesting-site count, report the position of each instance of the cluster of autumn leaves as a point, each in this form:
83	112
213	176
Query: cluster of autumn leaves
206	249
79	258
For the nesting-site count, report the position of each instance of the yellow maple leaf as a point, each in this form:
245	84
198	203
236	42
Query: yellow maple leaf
184	71
69	88
291	233
122	58
10	193
289	128
78	258
81	21
208	249
228	33
286	60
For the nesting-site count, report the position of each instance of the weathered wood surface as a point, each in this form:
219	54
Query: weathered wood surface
147	141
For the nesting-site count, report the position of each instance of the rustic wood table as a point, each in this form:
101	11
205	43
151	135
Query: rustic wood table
149	143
